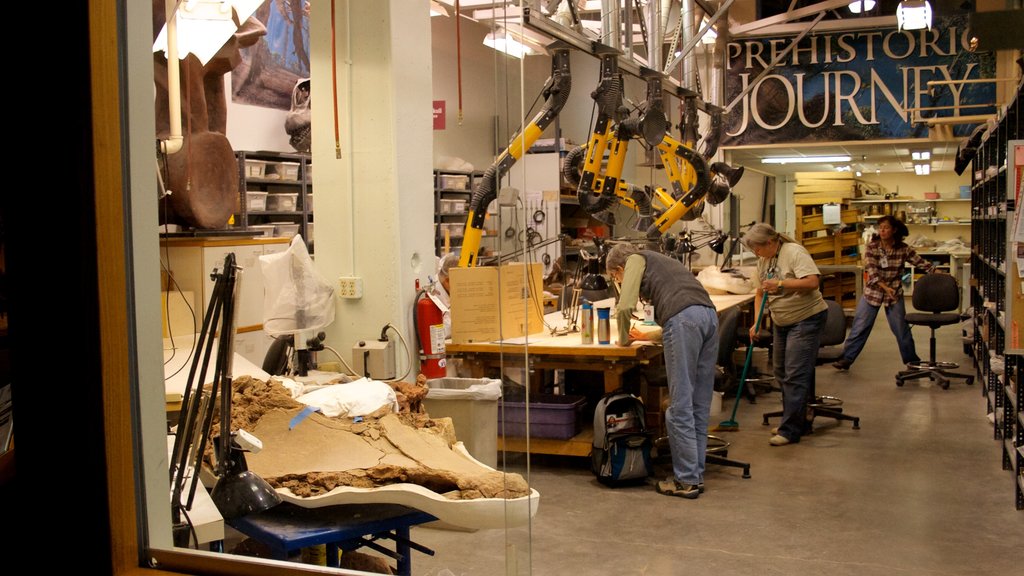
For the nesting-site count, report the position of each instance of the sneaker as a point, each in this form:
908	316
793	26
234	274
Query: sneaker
778	440
775	431
672	488
700	488
842	364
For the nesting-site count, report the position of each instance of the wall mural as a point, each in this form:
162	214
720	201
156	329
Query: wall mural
270	69
856	85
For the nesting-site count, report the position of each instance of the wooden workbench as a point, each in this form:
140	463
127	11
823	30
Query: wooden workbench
545	352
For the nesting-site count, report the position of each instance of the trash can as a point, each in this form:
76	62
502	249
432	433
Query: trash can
472	404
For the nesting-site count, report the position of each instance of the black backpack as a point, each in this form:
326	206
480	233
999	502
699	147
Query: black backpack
621	453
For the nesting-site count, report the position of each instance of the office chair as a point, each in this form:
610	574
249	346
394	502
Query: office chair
726	377
829	350
935	295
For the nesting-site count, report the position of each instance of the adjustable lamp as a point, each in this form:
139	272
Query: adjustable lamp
204	26
237	491
199	27
914	15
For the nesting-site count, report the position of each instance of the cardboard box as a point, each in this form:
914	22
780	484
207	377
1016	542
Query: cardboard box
491	303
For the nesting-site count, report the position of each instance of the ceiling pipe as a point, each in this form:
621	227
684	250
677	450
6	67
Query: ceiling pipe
686	16
688	46
174	143
654	35
611	31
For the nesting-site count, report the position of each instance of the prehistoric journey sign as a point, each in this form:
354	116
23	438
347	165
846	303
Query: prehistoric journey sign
856	85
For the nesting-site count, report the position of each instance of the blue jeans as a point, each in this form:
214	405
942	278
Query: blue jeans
864	320
795	353
690	342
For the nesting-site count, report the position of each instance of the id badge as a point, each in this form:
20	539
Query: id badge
883	261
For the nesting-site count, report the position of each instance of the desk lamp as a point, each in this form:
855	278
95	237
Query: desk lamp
237	491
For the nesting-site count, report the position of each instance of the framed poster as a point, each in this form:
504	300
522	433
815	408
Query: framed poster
270	68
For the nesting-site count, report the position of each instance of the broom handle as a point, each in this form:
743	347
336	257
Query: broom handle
746	363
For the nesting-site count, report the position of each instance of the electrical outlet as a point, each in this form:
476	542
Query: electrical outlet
350	287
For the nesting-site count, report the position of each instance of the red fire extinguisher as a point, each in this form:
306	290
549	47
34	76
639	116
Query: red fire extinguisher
429	322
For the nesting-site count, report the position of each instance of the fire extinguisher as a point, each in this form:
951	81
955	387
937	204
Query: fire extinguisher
430	335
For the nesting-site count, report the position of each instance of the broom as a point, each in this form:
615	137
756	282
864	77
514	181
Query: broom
731	425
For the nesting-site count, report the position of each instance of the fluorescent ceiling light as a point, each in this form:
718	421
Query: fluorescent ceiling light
922	169
502	41
437	9
858	6
914	15
804	159
921	155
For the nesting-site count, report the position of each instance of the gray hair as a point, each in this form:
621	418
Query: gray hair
617	255
450	259
762	233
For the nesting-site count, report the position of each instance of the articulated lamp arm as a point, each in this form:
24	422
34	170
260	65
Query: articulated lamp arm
556	91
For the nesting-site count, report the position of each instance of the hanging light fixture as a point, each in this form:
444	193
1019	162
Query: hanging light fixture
437	9
503	41
914	15
858	6
804	159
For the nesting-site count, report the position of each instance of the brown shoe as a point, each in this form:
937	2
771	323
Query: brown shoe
842	364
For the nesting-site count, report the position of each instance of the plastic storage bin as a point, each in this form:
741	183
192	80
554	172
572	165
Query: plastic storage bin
285	229
288	170
551	416
283	202
255	168
255	201
266	230
472	404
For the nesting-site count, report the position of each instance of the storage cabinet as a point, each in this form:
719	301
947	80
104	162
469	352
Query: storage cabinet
276	194
190	262
995	193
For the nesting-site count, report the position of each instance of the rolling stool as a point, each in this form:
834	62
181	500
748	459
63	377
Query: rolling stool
717	452
758	382
832	338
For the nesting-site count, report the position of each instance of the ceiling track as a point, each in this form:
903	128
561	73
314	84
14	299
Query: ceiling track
543	25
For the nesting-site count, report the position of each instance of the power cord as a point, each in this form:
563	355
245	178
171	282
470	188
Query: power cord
339	357
405	345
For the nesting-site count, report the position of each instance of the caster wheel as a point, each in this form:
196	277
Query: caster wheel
970	380
899	382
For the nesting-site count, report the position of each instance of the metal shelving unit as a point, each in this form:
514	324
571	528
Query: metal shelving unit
452	192
280	175
993	205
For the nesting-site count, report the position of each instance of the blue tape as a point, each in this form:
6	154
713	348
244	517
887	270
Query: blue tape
302	416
